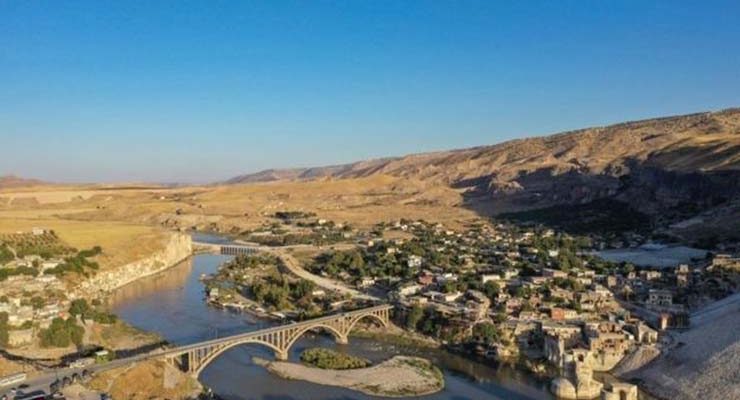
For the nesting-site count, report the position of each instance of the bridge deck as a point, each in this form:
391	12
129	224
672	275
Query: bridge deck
274	329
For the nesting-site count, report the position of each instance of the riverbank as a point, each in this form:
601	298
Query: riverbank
177	248
399	376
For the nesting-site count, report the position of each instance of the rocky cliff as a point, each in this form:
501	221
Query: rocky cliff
177	247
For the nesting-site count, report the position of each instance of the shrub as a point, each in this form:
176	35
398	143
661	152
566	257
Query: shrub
330	359
62	333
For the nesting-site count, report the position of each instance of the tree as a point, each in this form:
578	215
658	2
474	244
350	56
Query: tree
414	316
4	329
485	332
62	333
79	307
491	289
5	254
37	302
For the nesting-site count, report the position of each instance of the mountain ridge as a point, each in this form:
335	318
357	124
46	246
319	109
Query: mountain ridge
558	145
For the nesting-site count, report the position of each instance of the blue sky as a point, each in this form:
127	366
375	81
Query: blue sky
202	90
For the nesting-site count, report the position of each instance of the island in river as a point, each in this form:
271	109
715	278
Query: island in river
400	376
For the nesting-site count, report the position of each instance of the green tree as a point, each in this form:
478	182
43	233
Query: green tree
4	329
79	307
62	333
491	289
414	316
37	302
485	332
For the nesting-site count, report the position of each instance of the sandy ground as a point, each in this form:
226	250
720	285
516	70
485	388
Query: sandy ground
704	362
146	380
396	377
121	242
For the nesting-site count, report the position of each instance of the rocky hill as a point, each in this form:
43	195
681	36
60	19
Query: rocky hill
674	167
12	181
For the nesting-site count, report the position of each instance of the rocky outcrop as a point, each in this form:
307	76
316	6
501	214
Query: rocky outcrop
178	246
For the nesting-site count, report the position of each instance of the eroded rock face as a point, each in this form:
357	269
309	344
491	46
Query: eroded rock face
177	248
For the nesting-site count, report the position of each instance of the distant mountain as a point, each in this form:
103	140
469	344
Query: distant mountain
12	181
676	166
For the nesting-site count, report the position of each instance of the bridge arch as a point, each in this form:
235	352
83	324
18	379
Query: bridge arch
339	336
373	316
214	355
195	358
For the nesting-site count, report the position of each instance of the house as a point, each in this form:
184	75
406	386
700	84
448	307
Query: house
414	261
409	290
562	314
554	273
417	300
725	261
446	297
538	280
659	298
366	282
650	275
510	273
446	277
425	279
490	278
643	333
46	265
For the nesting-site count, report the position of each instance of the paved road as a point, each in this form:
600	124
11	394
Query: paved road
295	267
43	381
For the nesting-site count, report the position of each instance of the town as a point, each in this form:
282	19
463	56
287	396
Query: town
515	293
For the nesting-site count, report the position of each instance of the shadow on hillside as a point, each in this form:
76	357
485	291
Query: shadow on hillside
636	196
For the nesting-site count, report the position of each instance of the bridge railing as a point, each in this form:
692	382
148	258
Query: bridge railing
274	329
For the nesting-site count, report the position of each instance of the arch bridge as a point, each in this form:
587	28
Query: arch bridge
195	357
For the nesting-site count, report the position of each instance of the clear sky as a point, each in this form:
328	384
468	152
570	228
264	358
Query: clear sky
202	90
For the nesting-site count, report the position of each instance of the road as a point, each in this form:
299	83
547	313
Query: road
294	267
43	381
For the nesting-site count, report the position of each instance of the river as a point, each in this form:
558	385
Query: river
171	304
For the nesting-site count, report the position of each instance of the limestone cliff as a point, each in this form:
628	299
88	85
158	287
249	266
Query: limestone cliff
177	247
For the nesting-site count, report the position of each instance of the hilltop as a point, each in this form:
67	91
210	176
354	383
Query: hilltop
12	181
707	141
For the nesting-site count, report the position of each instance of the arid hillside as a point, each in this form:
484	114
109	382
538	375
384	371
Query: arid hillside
672	169
707	143
680	175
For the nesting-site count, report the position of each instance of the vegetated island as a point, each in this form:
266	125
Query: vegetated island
400	376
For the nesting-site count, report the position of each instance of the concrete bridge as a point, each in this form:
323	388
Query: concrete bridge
226	249
195	357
